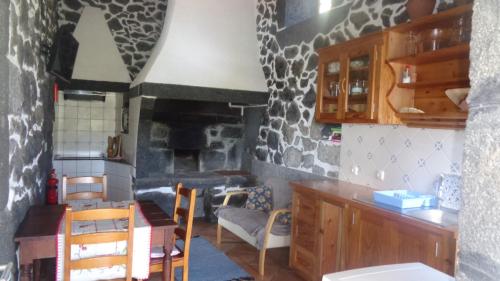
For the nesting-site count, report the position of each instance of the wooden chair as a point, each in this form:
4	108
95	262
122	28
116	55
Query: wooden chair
183	233
86	194
101	237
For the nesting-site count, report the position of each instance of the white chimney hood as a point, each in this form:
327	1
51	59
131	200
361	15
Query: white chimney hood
207	43
98	58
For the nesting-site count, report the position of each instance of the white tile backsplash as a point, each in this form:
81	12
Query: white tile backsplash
82	127
412	158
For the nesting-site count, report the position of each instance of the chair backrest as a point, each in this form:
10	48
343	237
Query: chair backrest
281	192
86	194
100	237
184	233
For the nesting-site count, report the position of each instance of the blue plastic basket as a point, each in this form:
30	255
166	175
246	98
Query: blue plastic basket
404	199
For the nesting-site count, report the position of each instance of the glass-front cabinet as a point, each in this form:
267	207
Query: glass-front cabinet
347	88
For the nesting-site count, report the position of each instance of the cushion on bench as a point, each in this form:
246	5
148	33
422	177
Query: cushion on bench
252	221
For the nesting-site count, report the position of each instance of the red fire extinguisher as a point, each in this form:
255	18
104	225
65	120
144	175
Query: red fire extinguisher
52	182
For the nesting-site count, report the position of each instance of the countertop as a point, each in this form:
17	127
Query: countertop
354	194
85	158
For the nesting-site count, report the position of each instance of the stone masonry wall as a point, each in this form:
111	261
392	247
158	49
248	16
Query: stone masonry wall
289	136
135	25
479	221
26	112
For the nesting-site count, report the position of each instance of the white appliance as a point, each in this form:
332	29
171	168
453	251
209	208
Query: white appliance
393	272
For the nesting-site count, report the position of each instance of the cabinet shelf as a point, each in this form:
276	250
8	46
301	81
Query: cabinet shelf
335	74
454	52
359	69
330	99
357	99
435	120
428	84
433	20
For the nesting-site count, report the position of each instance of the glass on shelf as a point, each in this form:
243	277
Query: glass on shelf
412	44
334	89
461	30
358	86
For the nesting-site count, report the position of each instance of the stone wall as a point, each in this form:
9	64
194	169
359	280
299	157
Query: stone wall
479	221
135	25
26	112
289	136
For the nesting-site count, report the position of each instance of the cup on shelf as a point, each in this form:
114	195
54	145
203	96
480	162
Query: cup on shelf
356	88
412	44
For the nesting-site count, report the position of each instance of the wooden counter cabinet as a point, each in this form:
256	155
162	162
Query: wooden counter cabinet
316	246
376	238
333	232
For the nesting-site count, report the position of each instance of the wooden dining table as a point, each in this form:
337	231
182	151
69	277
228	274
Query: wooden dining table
36	234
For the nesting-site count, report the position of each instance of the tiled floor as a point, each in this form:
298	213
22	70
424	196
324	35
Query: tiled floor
247	256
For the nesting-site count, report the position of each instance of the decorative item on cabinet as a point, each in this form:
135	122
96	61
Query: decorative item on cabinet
419	8
114	147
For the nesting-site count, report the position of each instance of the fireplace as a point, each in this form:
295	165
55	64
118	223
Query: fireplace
179	137
186	160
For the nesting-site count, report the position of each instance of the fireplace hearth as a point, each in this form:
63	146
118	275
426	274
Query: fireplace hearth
186	160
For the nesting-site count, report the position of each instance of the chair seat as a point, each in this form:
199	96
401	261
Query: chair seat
252	221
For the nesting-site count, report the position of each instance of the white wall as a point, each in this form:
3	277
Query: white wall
82	127
98	57
411	158
210	43
130	140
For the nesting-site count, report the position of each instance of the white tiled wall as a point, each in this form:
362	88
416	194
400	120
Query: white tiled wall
82	127
411	158
119	176
73	168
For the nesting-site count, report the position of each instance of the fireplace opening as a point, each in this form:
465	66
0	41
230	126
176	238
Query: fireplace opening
186	160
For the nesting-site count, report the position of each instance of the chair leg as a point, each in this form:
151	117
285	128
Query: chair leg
262	261
185	272
219	234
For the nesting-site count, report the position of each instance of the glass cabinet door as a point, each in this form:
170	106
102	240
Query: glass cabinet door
359	84
331	87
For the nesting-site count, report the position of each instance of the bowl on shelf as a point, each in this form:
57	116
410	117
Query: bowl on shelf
459	97
435	39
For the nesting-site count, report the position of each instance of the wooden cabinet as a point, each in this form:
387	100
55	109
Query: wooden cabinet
349	88
435	49
361	80
368	243
316	246
332	232
302	250
411	243
378	238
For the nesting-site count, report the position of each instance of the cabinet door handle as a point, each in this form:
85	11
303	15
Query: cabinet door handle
342	84
353	219
436	248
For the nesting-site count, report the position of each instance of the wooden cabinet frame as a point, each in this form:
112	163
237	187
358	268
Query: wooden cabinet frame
332	234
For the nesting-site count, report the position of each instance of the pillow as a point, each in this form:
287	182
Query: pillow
259	198
284	218
449	191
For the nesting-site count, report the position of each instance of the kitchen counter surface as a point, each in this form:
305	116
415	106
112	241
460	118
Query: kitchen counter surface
354	194
84	158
